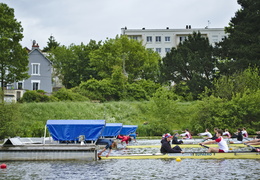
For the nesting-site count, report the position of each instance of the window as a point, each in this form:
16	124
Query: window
134	37
183	38
215	38
20	85
158	38
149	39
167	38
35	69
158	50
35	84
167	50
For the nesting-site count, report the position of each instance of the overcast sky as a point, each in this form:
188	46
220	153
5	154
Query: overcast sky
76	21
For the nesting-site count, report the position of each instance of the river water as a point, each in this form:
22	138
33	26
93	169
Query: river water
133	169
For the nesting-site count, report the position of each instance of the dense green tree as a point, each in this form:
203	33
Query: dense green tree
238	83
241	48
191	62
13	58
72	64
52	43
136	61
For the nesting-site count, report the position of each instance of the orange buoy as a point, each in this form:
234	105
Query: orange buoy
3	166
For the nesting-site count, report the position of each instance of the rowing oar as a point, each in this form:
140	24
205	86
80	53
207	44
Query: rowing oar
256	149
204	146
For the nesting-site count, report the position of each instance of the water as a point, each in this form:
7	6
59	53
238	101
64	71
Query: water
133	169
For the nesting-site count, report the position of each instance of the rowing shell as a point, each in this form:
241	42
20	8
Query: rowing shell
185	146
190	155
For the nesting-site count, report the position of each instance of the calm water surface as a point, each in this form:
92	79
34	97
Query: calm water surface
133	169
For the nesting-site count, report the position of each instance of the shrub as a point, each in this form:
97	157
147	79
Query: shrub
67	95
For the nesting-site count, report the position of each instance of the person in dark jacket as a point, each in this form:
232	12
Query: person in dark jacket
239	136
215	135
175	139
110	144
166	146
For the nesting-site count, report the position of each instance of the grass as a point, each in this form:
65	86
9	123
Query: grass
126	112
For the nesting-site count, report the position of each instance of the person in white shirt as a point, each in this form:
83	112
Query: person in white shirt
226	133
222	144
206	133
244	132
186	135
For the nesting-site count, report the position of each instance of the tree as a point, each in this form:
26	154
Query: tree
52	43
13	58
72	64
136	61
241	49
191	63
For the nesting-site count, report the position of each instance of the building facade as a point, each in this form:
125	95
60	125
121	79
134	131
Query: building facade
163	40
40	72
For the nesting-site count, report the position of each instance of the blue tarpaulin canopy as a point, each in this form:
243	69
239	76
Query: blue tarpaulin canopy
112	129
128	129
70	130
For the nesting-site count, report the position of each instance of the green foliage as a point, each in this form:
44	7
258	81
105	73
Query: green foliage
72	64
35	96
135	92
13	58
191	62
241	49
131	55
238	83
241	111
51	44
10	120
67	95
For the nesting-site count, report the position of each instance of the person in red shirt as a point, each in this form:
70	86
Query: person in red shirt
223	147
125	139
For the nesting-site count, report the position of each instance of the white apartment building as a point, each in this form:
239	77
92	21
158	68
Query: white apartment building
162	40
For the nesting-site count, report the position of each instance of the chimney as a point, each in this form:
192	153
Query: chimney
35	45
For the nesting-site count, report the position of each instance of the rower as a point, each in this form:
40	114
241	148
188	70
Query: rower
109	145
206	133
244	133
239	137
186	134
226	133
257	135
166	146
215	135
175	139
223	147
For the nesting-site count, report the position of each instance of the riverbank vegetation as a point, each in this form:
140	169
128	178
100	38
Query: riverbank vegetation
164	112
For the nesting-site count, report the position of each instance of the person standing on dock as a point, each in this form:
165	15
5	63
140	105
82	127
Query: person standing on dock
110	144
166	146
223	147
206	133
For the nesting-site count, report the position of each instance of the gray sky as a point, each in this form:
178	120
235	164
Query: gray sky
76	21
